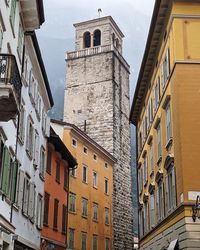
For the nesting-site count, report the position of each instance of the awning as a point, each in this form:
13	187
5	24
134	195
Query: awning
172	245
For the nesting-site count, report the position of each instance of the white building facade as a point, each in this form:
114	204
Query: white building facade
25	99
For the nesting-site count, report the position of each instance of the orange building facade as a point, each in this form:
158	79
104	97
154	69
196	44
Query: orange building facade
58	162
90	224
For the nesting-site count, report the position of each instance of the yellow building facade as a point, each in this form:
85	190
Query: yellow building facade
90	191
165	110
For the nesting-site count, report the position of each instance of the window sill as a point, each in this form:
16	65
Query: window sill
73	176
169	143
45	225
96	221
71	212
84	216
95	187
107	224
66	189
85	182
55	229
39	227
58	181
48	172
159	160
107	194
146	182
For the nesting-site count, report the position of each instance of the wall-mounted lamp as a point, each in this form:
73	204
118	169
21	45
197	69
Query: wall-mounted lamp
196	209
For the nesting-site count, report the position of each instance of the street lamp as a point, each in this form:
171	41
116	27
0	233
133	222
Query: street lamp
196	209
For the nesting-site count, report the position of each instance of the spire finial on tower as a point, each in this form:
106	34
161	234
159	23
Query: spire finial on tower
99	11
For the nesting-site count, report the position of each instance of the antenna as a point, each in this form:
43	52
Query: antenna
99	11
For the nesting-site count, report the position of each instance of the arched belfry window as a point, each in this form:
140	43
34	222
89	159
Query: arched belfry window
87	40
97	38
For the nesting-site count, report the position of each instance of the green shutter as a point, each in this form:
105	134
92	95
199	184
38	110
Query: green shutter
6	169
13	181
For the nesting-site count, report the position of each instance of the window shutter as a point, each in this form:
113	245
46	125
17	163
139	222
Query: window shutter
36	149
163	75
5	170
31	201
23	114
168	63
20	189
27	134
14	181
174	187
47	128
163	202
167	193
157	205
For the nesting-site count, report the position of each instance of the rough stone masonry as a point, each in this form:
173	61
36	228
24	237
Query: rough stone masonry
97	101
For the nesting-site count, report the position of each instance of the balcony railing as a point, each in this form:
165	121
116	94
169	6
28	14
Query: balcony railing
10	86
97	50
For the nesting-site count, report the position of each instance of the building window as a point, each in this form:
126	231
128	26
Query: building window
94	242
74	142
87	40
168	122
38	106
85	174
151	156
95	157
64	219
73	172
107	244
157	94
170	189
85	150
55	215
84	207
66	178
146	217
94	179
106	186
152	209
46	209
71	238
58	171
166	68
42	162
48	166
29	137
20	41
12	13
83	241
72	202
32	87
95	212
97	38
145	169
159	141
106	165
160	201
39	211
107	216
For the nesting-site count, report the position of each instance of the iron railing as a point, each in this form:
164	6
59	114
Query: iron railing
9	73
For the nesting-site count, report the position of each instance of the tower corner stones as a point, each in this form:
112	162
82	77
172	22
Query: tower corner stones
97	101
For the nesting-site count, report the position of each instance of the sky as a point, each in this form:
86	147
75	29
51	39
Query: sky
57	34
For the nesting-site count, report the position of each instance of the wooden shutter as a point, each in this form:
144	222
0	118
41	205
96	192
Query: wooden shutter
64	219
168	63
46	209
173	188
20	189
55	217
36	149
157	205
31	201
13	181
167	193
5	170
47	126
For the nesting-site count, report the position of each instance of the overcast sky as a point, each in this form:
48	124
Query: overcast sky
56	35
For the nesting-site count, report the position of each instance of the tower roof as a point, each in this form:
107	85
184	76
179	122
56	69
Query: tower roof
96	20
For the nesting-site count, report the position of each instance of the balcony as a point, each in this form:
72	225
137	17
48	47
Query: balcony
10	87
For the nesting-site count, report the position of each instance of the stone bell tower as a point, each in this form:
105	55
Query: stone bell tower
97	101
